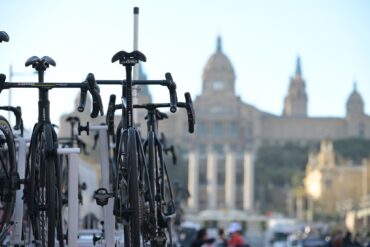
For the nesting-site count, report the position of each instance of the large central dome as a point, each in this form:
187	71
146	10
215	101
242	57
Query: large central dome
218	68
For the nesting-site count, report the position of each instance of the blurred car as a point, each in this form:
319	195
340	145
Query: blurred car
293	241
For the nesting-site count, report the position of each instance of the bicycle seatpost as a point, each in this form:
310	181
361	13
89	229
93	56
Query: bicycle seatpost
128	60
40	65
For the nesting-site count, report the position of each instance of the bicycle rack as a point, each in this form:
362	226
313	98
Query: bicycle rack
109	223
16	238
73	217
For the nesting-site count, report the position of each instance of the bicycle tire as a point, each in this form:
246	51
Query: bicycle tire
152	166
8	168
133	190
43	187
51	199
63	164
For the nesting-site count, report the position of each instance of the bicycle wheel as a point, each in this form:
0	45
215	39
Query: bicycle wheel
152	167
132	229
8	168
44	201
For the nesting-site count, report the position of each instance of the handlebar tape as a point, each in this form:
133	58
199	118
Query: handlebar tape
173	94
2	81
110	113
83	95
190	112
95	93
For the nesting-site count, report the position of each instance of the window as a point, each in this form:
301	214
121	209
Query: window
218	109
202	129
218	148
233	129
361	130
202	148
218	129
202	171
221	171
218	85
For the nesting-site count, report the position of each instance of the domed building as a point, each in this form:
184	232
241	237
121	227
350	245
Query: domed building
230	131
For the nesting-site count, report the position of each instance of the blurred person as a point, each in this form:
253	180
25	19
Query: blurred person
221	241
338	239
202	239
357	241
347	240
236	237
367	244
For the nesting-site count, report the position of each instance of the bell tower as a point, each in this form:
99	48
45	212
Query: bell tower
295	104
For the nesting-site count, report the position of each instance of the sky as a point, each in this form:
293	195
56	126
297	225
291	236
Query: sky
262	39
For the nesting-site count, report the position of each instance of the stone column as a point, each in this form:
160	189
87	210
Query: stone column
230	177
212	179
248	188
364	187
193	182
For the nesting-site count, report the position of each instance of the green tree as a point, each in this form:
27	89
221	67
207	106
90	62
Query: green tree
277	168
354	149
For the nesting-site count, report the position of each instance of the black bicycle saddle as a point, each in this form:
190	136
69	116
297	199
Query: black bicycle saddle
36	61
126	58
4	36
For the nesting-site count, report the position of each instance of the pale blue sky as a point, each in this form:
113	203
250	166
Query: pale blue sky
261	38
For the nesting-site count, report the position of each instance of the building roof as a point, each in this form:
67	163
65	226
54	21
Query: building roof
218	66
355	96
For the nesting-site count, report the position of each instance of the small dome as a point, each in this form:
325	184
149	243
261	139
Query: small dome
355	97
355	104
219	66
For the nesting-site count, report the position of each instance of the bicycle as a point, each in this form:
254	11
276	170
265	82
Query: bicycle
135	197
154	146
9	178
8	164
131	189
43	173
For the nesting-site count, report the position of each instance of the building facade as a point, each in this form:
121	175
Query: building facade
228	127
333	185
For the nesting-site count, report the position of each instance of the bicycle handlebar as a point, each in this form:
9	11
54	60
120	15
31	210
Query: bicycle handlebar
95	94
168	82
2	82
173	95
17	111
190	111
90	85
188	105
83	94
110	113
